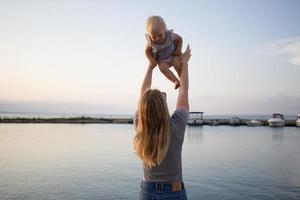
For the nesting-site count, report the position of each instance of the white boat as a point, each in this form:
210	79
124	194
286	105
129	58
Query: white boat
298	121
254	122
195	119
234	121
214	122
277	120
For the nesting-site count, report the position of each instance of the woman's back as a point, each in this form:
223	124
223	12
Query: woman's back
170	167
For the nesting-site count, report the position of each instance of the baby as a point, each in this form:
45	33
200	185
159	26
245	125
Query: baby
163	48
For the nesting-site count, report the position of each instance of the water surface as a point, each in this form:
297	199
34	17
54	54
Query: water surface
96	161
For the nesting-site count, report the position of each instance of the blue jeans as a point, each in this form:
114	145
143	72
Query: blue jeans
160	191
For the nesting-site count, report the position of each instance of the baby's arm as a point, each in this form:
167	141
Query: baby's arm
149	55
178	43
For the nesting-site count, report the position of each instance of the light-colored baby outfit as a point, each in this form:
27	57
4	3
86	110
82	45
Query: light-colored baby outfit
164	51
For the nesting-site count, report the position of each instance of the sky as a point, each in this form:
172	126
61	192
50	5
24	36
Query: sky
88	56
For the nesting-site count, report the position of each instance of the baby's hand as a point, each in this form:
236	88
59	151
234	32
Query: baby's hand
152	63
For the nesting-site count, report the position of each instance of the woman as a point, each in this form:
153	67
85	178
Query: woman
159	137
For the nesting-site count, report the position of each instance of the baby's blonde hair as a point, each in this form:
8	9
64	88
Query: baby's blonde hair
154	22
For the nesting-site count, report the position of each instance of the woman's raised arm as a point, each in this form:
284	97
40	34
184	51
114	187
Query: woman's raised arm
147	80
183	95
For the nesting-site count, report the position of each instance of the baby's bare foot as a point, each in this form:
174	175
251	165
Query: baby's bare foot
177	84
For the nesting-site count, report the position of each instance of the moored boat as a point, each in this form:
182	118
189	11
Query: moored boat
298	121
254	122
234	121
277	120
214	122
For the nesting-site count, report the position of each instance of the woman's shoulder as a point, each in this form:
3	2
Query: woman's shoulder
181	112
179	121
180	116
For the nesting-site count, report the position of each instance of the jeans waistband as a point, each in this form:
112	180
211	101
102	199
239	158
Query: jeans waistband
163	186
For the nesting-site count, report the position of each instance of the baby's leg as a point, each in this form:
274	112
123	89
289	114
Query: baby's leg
176	62
164	68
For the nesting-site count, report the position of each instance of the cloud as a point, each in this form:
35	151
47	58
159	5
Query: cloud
289	47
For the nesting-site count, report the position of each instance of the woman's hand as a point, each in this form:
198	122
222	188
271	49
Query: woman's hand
177	53
185	57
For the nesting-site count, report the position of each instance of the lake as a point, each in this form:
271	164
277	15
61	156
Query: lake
97	161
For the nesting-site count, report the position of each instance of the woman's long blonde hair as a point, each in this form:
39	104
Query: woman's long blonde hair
152	139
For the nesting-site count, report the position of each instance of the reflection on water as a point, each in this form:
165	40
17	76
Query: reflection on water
277	133
194	133
97	161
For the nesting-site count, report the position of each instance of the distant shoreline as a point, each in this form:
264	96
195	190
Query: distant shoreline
73	120
93	120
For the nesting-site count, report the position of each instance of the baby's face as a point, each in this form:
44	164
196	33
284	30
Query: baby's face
157	35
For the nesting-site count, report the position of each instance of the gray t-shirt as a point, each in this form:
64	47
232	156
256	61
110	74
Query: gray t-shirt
170	167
